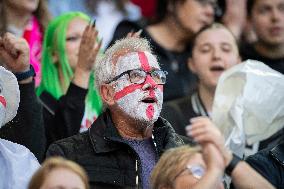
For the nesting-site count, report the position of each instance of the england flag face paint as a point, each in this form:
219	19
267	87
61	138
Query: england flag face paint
143	101
2	109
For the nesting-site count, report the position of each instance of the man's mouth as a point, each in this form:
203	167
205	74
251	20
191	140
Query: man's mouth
149	100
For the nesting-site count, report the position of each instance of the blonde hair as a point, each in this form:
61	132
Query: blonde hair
171	163
55	163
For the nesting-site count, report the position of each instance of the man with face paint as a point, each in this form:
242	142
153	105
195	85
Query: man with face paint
125	142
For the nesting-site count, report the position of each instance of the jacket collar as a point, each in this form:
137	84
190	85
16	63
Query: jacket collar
278	153
105	137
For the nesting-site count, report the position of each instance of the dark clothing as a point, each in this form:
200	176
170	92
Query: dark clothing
178	112
180	80
270	164
27	127
110	161
63	117
248	52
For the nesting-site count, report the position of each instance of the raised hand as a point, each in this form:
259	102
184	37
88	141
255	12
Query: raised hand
89	48
14	53
88	51
134	34
204	131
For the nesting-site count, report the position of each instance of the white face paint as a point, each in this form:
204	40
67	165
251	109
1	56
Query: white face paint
142	102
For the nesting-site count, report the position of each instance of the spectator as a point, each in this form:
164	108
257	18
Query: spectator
59	173
27	19
16	161
68	57
129	135
267	20
170	36
188	168
103	11
27	127
214	51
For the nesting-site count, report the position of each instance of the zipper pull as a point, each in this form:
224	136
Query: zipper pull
136	167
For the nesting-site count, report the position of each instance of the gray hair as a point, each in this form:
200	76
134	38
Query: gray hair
104	63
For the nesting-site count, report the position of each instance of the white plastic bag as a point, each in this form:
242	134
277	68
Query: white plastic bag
17	165
249	104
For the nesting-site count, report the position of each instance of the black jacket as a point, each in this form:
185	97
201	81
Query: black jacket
248	52
27	127
270	164
63	117
178	112
108	160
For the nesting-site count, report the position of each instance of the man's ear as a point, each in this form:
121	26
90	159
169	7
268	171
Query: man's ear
190	65
107	94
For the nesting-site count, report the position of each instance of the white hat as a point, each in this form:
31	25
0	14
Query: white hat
9	88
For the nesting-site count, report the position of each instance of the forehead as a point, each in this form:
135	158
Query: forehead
215	35
76	25
135	60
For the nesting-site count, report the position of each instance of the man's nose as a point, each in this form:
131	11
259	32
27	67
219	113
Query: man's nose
149	83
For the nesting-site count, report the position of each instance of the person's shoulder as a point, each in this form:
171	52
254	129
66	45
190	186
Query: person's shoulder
70	145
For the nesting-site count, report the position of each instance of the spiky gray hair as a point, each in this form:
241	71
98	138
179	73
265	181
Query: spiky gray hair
104	63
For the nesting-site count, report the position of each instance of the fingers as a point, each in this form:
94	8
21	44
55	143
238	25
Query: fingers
203	130
89	47
14	52
13	45
134	34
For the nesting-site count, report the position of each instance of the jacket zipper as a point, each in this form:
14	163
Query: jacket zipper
137	175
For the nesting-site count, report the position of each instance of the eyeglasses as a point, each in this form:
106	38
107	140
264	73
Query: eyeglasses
138	76
197	171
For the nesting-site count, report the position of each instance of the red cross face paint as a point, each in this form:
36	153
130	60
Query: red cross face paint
2	109
143	101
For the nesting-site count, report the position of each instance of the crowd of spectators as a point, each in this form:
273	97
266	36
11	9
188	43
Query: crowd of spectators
123	92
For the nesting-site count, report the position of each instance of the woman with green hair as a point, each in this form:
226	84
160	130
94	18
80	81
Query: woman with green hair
67	91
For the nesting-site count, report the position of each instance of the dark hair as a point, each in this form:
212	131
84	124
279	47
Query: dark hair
162	9
250	4
92	5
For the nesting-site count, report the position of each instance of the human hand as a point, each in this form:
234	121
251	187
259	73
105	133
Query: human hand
134	34
15	53
235	16
89	48
203	131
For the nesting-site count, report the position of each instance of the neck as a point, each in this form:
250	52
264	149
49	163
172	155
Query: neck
169	35
61	80
16	17
270	51
129	128
206	96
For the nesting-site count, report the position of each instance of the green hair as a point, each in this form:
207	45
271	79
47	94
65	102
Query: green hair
55	41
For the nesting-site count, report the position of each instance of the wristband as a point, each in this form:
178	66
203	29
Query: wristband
24	75
234	162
